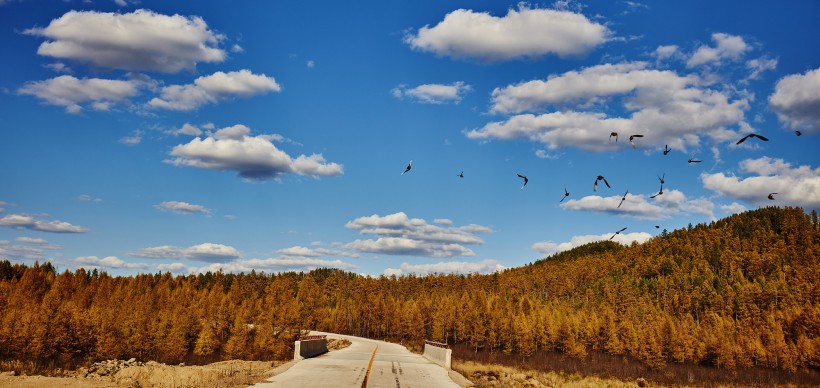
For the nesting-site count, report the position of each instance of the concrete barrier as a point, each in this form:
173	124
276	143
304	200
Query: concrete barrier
309	346
438	353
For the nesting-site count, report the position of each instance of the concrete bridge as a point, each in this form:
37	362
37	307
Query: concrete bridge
368	363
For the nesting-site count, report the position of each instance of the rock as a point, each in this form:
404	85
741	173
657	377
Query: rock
641	382
9	373
132	360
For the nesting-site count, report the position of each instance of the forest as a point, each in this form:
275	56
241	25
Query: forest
738	292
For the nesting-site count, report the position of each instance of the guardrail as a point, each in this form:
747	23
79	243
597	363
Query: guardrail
439	353
437	344
311	337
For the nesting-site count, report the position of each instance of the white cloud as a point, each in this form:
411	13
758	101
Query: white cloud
186	129
141	40
207	252
666	52
182	207
434	93
174	267
522	33
58	67
29	222
548	248
400	235
298	251
640	206
758	66
9	251
134	139
733	208
237	49
796	100
279	264
71	92
252	157
726	47
311	64
211	89
665	107
443	221
459	267
94	262
798	186
88	198
41	243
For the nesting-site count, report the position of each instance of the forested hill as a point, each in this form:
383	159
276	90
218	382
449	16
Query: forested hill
741	291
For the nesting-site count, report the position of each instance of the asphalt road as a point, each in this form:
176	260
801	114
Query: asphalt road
393	366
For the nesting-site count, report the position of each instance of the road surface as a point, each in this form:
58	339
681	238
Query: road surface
393	366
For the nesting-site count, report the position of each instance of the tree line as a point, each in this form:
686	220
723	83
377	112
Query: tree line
738	292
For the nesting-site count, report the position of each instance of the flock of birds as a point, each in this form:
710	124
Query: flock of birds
599	178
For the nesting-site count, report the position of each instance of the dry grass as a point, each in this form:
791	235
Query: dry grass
494	375
337	343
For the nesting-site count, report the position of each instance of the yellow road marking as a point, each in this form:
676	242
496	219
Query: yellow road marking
369	365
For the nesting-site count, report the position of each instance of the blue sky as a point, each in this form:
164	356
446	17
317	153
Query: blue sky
192	136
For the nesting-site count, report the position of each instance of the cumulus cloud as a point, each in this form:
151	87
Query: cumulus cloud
640	206
434	93
727	46
185	129
182	207
733	208
24	221
134	139
70	92
522	33
459	267
548	248
141	40
666	52
94	262
401	235
252	157
211	89
208	252
665	107
278	264
796	100
796	186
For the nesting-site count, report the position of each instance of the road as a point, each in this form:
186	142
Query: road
393	366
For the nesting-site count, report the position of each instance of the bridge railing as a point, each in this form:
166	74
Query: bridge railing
309	346
439	353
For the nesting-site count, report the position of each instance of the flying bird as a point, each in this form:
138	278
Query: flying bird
600	178
659	193
617	233
657	226
694	160
632	137
660	178
798	133
613	134
409	166
566	194
623	198
666	149
752	135
525	180
461	175
771	196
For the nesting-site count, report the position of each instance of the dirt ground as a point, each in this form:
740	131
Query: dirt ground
131	374
233	373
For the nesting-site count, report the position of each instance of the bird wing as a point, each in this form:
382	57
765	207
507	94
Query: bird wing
621	230
595	186
607	183
743	139
762	138
521	176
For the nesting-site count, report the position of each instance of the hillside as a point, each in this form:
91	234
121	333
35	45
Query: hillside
739	292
